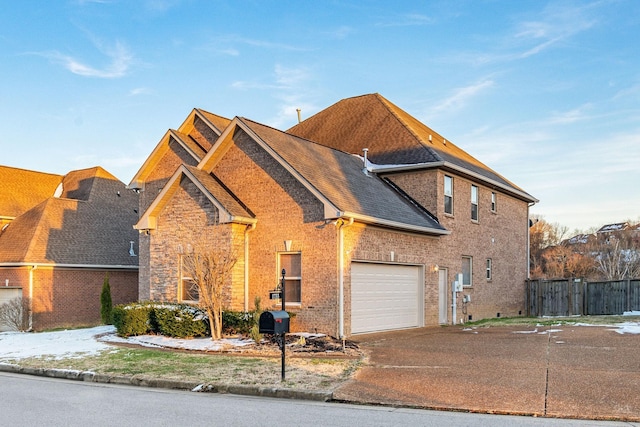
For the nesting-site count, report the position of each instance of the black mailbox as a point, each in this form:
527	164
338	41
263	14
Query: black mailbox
274	322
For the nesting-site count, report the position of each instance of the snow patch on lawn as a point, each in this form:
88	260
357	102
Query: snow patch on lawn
196	344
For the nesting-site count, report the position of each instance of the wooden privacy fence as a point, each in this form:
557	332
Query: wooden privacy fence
568	297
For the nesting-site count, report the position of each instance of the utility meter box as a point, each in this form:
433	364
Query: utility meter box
274	322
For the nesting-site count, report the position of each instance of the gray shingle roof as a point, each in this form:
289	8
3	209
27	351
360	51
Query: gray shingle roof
339	177
21	190
93	228
392	136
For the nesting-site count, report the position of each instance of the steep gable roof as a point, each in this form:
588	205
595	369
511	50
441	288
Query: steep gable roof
336	178
395	140
181	136
229	207
218	123
23	189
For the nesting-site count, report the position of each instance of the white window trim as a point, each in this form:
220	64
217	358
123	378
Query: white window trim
450	195
287	277
489	266
470	285
474	202
182	279
494	202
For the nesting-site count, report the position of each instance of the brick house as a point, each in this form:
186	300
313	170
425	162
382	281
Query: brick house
61	235
370	239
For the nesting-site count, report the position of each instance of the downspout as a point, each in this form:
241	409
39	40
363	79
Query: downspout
529	242
341	228
248	229
33	267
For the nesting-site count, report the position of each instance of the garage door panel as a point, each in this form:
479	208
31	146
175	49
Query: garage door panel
385	297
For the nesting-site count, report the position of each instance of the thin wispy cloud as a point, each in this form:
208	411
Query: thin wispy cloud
462	96
140	91
285	78
553	27
571	116
557	23
120	61
407	20
341	33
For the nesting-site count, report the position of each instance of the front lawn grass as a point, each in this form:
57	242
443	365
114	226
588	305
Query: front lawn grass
315	373
554	321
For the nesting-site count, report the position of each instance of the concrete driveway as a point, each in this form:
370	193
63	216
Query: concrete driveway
589	372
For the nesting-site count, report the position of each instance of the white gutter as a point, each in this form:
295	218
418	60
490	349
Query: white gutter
394	224
442	164
341	226
247	230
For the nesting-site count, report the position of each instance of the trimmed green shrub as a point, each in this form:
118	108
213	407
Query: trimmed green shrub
131	319
106	304
237	322
179	321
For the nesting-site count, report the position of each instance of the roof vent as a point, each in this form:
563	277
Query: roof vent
131	251
365	169
58	191
299	117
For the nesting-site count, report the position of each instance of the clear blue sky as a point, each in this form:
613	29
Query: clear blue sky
547	93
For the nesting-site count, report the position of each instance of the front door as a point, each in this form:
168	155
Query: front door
443	297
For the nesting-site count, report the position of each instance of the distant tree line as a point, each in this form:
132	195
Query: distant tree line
608	253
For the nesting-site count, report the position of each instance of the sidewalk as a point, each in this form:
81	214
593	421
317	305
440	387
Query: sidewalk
587	372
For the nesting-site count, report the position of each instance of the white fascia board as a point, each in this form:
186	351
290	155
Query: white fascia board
147	220
184	144
137	182
436	165
207	121
395	224
225	215
223	139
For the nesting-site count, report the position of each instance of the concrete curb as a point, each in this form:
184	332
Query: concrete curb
244	390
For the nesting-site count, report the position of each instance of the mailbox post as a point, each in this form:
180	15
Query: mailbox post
277	322
282	335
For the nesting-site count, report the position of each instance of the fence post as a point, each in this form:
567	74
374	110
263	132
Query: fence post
628	294
585	299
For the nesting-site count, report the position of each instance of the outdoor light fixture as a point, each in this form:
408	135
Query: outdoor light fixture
435	268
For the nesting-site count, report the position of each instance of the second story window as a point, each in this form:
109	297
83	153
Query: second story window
494	205
474	203
448	195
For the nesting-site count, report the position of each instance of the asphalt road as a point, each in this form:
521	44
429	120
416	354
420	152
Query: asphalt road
29	401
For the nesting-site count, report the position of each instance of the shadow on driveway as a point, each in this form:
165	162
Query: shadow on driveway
587	372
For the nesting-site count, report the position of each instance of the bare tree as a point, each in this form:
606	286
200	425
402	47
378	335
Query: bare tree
563	262
617	257
13	314
210	269
542	235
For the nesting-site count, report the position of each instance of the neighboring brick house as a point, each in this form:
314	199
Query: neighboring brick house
369	241
61	236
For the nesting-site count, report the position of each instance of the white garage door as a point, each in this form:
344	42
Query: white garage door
385	297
